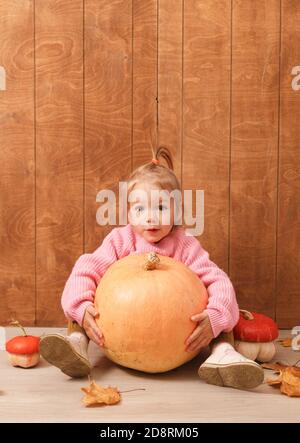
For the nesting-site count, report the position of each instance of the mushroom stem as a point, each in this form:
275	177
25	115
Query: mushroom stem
17	324
246	314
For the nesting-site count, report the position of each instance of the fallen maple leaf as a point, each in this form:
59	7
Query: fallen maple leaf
288	381
276	382
96	394
276	367
287	342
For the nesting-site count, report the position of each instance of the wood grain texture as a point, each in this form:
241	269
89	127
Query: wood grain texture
108	101
144	81
288	275
59	150
170	55
255	58
206	111
17	214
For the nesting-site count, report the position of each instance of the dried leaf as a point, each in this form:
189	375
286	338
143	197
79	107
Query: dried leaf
276	367
291	382
288	380
276	382
96	395
291	391
287	342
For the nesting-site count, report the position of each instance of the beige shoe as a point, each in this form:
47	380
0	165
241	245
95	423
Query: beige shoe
69	354
226	367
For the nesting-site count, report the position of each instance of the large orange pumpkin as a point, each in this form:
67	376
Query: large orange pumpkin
145	303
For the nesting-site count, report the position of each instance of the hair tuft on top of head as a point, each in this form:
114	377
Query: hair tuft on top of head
155	172
164	153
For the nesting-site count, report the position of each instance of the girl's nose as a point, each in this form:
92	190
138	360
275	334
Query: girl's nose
152	217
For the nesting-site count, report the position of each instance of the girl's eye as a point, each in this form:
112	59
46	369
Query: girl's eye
162	207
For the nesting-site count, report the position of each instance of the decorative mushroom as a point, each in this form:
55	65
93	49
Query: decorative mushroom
254	335
23	350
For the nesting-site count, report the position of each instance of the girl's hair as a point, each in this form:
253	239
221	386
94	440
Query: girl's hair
156	173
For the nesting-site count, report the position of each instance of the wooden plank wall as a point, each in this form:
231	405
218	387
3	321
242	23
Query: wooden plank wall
108	105
288	234
206	114
59	150
17	153
93	85
254	152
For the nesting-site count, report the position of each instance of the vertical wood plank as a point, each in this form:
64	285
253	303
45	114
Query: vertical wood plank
108	105
17	214
206	111
288	275
170	54
59	150
144	81
255	53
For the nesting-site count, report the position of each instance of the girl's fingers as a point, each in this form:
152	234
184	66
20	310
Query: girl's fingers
93	336
199	338
95	329
197	344
195	334
199	317
93	311
92	324
98	333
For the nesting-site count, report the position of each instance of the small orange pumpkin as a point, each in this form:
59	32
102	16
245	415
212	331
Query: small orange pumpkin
145	303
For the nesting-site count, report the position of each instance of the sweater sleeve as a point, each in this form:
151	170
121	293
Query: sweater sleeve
222	306
80	288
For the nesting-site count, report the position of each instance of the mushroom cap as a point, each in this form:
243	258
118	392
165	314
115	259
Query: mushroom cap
260	329
23	344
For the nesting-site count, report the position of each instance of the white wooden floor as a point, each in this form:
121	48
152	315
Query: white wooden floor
44	394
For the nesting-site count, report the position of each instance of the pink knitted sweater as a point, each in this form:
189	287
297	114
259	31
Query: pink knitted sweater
81	285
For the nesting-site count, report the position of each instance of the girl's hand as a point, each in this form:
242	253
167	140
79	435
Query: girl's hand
202	334
90	326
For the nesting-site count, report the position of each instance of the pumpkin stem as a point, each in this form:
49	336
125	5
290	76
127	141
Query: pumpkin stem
152	261
16	323
246	314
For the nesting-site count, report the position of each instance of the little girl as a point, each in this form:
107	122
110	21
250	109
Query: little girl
145	233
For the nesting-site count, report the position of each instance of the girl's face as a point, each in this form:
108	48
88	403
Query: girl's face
151	212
